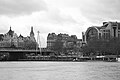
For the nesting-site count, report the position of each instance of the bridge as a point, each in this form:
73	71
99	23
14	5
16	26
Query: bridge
45	54
16	54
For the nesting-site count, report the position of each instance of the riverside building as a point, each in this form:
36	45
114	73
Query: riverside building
107	31
11	39
65	38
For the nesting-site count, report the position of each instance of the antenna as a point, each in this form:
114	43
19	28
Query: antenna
38	42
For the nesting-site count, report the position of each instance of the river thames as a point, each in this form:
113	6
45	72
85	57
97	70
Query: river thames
59	71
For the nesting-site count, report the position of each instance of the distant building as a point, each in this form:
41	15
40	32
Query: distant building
67	40
11	39
51	39
107	31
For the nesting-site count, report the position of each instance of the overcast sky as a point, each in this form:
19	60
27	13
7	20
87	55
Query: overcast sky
58	16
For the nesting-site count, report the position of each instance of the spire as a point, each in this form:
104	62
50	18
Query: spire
10	27
32	29
32	33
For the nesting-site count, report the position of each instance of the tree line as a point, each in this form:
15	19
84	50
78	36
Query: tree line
60	47
27	45
99	47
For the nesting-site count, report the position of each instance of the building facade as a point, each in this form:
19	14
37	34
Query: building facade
11	39
107	31
51	39
67	40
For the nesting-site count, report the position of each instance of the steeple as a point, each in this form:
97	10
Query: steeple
32	33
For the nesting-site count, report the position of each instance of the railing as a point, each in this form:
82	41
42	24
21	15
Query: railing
21	50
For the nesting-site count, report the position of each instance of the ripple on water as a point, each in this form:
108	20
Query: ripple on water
59	71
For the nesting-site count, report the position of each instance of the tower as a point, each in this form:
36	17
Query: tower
10	32
31	33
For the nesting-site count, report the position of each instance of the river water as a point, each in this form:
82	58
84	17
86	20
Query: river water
59	71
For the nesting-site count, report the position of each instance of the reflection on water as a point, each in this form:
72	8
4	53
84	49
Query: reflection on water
59	71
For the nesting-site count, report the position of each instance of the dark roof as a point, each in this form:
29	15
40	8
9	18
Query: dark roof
20	36
79	39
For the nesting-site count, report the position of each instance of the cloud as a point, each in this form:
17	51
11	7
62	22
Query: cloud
4	24
59	16
54	19
18	7
98	11
95	11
